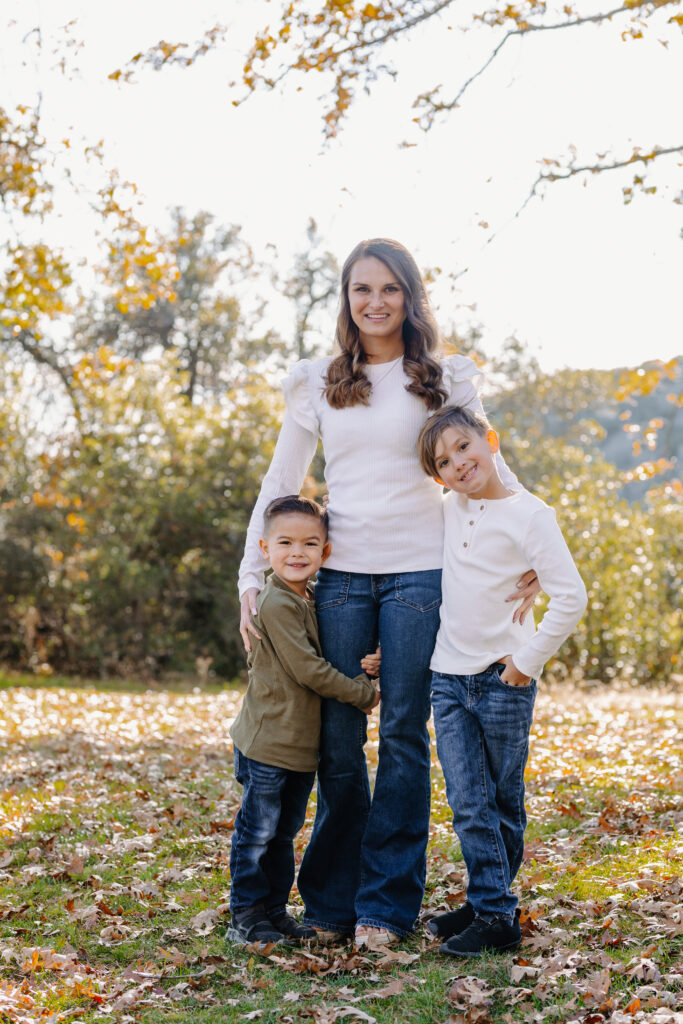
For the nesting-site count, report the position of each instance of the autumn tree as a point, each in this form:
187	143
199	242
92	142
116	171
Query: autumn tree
313	287
35	279
39	291
214	336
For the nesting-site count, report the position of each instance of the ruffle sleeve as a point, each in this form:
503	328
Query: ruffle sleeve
462	378
298	392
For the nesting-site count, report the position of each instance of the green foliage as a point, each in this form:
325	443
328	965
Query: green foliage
121	541
629	555
120	547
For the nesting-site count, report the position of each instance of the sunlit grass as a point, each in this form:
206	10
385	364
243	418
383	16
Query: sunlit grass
108	790
629	870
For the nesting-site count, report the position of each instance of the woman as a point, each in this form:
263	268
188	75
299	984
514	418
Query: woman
365	864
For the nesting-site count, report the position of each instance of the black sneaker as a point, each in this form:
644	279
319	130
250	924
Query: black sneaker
481	935
252	926
291	928
452	923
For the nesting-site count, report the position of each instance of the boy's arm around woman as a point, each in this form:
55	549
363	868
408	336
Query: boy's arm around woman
289	630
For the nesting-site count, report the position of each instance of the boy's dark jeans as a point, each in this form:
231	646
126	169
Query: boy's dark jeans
262	849
482	735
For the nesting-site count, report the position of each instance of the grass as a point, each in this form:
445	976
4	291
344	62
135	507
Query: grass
115	823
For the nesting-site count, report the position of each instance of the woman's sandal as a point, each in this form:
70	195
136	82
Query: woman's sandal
374	938
327	937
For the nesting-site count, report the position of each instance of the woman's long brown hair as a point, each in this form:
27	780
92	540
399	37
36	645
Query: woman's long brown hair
346	384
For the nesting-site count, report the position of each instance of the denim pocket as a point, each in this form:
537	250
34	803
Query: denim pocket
419	590
498	668
331	588
238	761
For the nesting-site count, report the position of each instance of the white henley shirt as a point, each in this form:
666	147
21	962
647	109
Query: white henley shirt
488	545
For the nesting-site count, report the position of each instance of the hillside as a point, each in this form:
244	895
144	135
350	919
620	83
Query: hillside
642	428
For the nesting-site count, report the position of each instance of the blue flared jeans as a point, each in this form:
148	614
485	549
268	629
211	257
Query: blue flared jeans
366	861
482	738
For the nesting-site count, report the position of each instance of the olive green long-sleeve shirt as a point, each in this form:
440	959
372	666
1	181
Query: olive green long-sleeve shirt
279	722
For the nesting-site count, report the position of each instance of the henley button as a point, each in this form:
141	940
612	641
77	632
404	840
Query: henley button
471	522
464	544
481	508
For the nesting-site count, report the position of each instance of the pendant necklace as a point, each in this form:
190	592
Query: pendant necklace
386	373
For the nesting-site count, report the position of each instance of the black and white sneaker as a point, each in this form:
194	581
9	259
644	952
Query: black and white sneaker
482	936
251	927
452	923
291	928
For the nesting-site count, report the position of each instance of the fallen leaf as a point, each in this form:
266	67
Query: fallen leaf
470	991
394	988
205	921
645	970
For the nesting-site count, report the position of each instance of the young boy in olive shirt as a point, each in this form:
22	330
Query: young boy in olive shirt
276	734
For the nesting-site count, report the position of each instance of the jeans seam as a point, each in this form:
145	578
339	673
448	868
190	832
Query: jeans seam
492	831
342	596
520	799
413	604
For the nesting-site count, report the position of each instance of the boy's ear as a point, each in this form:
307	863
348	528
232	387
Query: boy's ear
494	443
326	551
263	544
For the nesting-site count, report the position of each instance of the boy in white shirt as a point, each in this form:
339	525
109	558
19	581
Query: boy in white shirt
485	665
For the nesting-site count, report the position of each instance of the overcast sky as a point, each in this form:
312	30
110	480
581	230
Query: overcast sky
578	276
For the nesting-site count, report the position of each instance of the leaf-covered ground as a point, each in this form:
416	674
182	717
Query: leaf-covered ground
115	821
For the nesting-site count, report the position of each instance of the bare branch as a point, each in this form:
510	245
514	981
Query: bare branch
433	108
570	172
30	345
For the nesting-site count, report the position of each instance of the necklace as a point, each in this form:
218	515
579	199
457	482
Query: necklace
378	380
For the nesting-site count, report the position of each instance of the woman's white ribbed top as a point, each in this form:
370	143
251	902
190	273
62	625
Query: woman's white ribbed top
385	515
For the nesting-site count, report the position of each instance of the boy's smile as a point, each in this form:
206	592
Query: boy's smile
296	547
465	463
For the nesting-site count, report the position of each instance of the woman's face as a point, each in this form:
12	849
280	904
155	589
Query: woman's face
377	305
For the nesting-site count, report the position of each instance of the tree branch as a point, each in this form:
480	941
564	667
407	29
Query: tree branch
364	44
29	344
636	157
358	47
437	108
571	172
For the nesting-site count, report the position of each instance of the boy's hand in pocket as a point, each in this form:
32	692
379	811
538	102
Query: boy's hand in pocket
511	674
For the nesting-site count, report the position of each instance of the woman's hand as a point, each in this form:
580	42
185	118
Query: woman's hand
371	662
528	588
511	674
248	608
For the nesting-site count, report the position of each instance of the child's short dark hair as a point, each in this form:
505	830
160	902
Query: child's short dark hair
448	416
295	503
